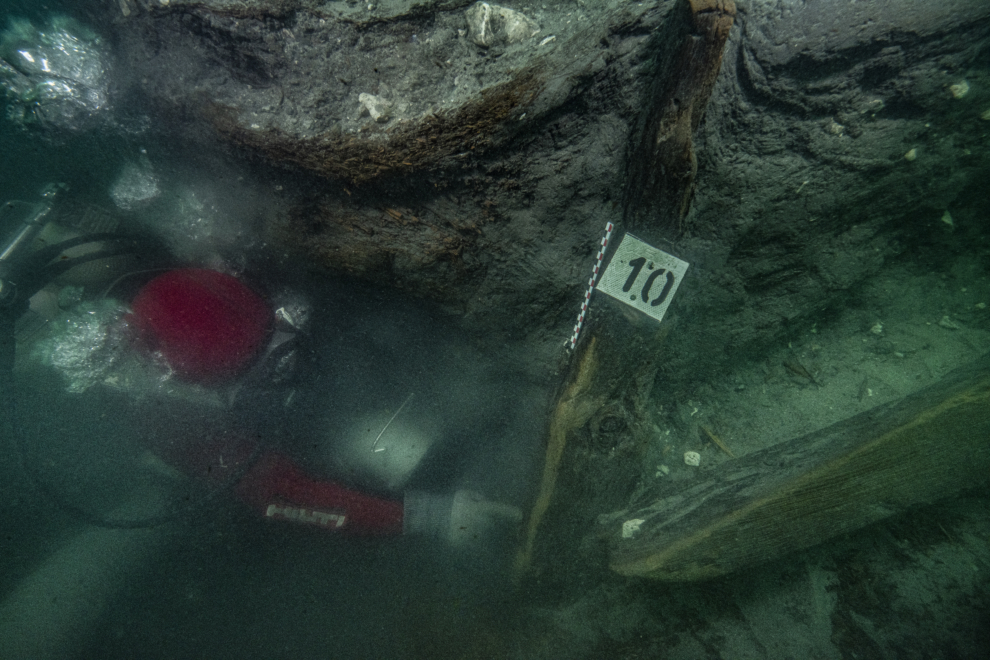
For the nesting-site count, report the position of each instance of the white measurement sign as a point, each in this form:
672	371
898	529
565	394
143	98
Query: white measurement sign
642	276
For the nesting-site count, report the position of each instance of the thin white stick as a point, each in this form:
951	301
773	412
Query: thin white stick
389	422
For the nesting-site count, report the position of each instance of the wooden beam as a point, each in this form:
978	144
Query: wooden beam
575	405
797	494
663	165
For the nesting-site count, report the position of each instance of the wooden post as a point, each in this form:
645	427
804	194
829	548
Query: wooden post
617	357
663	165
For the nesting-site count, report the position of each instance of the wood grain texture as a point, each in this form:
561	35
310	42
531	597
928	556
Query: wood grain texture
663	165
922	448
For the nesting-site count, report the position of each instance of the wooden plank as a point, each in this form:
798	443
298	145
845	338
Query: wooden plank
578	401
797	494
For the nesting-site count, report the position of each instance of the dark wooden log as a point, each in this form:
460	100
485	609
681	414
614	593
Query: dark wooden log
922	448
663	165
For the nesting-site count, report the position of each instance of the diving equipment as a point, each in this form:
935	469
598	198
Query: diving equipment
20	241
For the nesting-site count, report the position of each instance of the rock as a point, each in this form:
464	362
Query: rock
521	184
376	106
490	24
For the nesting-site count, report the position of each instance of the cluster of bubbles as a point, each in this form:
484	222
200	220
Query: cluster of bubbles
56	76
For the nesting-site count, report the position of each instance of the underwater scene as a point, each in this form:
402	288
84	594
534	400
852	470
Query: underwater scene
451	329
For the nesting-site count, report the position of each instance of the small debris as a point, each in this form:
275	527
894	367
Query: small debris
949	324
911	155
796	368
864	389
377	107
714	438
490	24
692	458
873	107
631	527
959	90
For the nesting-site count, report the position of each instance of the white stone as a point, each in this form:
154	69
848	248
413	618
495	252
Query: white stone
376	106
631	527
960	89
490	24
692	458
949	324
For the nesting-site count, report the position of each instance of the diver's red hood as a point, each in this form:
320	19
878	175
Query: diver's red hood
208	325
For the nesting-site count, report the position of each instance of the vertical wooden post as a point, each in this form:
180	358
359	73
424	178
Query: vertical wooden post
663	165
617	356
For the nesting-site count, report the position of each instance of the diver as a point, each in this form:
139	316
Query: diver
215	358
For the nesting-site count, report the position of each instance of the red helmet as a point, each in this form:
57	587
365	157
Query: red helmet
207	325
